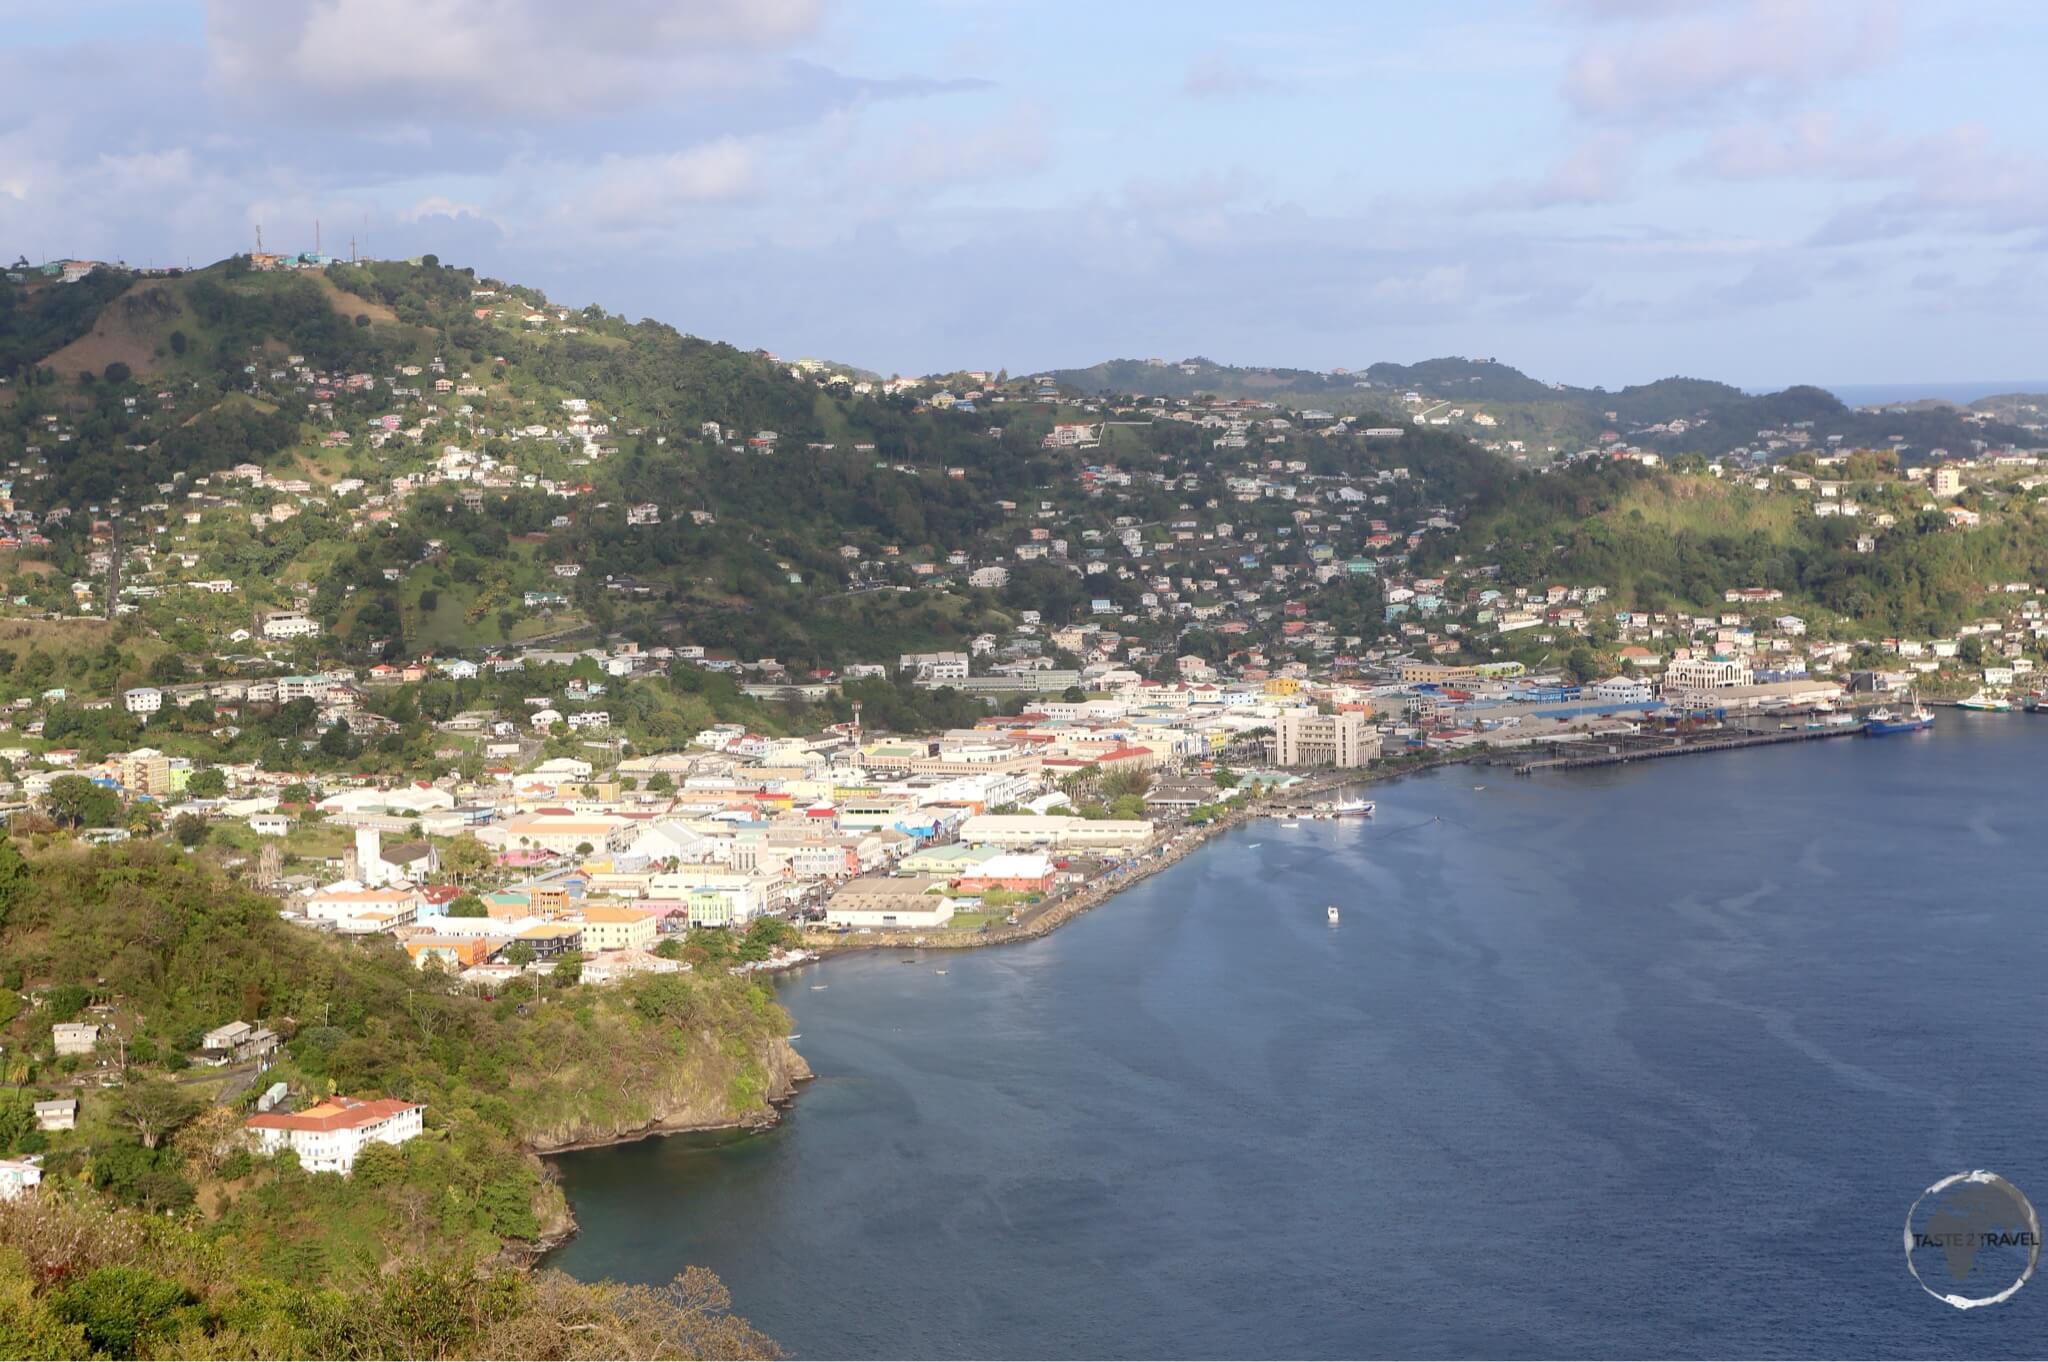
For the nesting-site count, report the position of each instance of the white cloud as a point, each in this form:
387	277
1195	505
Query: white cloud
1680	63
491	59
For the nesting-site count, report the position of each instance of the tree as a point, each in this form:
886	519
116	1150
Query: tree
295	793
568	969
188	829
207	783
519	954
75	802
467	905
660	783
465	858
338	742
14	878
155	1109
117	372
121	1309
167	670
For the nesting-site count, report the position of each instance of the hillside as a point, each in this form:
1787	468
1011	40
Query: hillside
1660	541
423	460
1506	409
155	949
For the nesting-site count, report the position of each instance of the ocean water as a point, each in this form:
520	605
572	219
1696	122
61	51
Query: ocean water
1961	393
1639	1061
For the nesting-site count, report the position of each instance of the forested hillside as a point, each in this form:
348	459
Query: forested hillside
155	1228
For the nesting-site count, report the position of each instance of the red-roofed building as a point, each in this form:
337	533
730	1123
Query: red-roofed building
327	1137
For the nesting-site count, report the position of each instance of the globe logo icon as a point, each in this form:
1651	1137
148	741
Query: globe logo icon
1972	1239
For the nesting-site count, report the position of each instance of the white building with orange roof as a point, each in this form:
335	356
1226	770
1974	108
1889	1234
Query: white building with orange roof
328	1137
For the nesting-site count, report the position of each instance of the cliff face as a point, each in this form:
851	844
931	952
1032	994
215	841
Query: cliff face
715	1082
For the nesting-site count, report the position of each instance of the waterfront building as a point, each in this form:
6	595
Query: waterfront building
1303	737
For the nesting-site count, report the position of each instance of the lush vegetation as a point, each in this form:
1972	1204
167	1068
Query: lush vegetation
1676	540
156	949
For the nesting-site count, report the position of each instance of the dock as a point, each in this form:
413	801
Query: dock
1620	753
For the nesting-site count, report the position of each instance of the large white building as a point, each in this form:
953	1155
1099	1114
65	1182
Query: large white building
143	700
1705	673
1057	831
328	1137
291	625
1620	690
1304	737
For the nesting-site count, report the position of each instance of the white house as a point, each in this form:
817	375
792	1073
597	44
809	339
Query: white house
291	625
328	1137
20	1176
143	700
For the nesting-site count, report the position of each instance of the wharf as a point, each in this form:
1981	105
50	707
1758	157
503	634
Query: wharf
1629	751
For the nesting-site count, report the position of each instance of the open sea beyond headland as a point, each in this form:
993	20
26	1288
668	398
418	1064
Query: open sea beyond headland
1637	1061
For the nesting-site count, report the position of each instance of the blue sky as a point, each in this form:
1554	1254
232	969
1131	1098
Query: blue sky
1601	191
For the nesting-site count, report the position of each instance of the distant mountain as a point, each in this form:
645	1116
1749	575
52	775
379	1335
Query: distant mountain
1499	405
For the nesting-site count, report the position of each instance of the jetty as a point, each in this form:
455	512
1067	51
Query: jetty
1639	749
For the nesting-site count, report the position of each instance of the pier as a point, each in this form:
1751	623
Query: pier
1638	749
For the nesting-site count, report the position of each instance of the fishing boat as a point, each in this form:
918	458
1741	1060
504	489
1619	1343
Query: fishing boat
1332	910
1885	721
1993	704
1363	807
2037	702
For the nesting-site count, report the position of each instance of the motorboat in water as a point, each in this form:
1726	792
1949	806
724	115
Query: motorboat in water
1332	910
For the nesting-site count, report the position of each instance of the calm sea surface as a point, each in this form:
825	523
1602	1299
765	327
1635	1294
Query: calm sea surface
1637	1061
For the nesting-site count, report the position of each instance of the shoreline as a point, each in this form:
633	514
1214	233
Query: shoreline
1051	917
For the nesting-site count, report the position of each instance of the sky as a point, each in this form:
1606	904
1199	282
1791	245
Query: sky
1597	191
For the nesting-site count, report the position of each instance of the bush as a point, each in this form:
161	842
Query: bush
121	1308
66	1001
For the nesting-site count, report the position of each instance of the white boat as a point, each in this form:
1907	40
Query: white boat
1290	825
938	971
1332	910
819	988
1996	704
1344	806
1254	846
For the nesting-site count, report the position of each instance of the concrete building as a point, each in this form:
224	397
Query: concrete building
19	1177
74	1038
1705	673
1057	832
1303	737
608	928
328	1137
884	901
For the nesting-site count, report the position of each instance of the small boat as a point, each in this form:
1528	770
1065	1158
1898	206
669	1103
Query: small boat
1254	846
819	988
1478	787
938	971
1332	911
1993	704
2037	703
1290	825
1349	806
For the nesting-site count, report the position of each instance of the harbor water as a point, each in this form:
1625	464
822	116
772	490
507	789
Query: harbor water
1637	1061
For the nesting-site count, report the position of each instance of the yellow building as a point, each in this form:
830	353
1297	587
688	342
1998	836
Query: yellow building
617	929
1281	685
